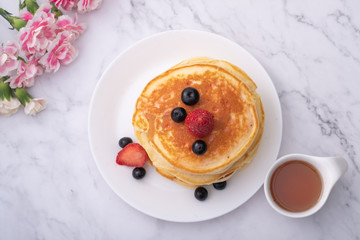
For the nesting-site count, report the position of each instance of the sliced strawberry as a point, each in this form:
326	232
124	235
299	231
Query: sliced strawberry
199	123
133	155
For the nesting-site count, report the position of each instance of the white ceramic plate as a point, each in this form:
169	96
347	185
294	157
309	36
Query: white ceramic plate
111	111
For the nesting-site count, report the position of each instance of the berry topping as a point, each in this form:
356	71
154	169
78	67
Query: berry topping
124	141
178	114
199	123
200	193
190	96
139	172
199	147
219	185
133	155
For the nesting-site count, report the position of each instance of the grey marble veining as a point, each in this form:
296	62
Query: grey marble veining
50	187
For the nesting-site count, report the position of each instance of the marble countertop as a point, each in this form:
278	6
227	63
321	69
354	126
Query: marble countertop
50	187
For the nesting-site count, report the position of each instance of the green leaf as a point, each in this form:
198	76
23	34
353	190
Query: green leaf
3	79
56	11
20	58
31	6
5	90
21	5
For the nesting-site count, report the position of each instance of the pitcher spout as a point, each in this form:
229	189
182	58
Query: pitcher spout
338	165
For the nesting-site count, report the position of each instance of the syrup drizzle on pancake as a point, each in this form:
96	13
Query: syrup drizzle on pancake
231	99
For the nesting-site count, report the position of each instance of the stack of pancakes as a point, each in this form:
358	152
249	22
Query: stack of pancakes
228	94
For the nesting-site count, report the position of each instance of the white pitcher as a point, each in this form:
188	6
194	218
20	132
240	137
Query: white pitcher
330	170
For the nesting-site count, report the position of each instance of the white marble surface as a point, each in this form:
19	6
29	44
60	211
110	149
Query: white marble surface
50	187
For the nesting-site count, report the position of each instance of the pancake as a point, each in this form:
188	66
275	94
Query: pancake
228	94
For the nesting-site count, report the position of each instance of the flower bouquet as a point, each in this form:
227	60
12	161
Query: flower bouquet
44	42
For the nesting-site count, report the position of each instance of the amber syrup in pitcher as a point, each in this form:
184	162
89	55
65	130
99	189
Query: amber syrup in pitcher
296	186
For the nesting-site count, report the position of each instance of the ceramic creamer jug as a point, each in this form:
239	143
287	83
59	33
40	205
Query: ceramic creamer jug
298	185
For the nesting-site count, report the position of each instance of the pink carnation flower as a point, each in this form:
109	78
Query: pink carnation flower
34	106
38	33
25	75
8	59
65	4
84	6
66	23
59	52
26	15
45	7
9	107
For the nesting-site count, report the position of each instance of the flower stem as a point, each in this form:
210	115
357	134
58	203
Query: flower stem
15	22
5	90
23	96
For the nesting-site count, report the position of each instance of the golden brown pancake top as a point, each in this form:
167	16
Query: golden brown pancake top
231	105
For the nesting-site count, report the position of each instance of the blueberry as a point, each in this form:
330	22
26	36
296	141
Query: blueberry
199	147
220	185
124	141
178	114
139	172
200	193
190	96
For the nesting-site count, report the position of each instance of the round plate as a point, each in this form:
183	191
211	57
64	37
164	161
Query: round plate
111	111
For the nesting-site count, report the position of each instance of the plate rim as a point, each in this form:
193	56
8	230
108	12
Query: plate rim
134	45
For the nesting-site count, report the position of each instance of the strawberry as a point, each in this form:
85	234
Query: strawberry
132	155
199	123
